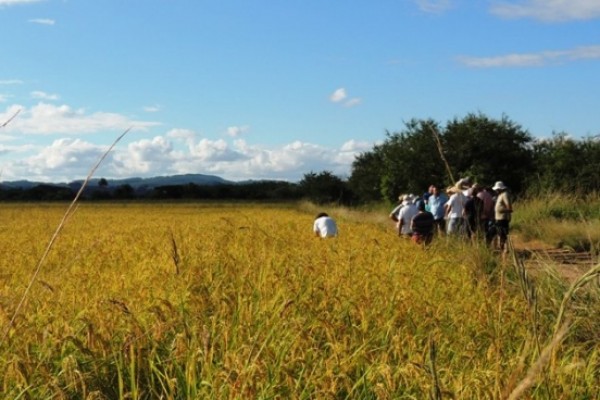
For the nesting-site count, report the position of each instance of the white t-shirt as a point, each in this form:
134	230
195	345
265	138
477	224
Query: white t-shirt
406	215
456	204
325	227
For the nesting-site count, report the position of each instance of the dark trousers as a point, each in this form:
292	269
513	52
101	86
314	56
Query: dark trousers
498	228
439	226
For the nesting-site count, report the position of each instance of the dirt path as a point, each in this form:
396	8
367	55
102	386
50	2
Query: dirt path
569	263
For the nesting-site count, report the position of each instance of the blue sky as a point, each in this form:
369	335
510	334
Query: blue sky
264	89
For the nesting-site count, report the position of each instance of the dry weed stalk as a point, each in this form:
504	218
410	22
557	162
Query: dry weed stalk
438	143
67	214
578	284
11	118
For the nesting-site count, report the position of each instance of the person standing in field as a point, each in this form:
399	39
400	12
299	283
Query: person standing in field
487	216
405	216
455	210
474	212
503	212
394	213
436	202
422	225
324	226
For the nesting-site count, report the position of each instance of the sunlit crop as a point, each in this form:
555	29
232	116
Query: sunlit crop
235	301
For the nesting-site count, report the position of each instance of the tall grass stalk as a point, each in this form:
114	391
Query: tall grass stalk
590	275
59	228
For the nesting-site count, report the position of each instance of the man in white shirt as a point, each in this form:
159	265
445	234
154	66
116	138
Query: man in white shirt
324	226
455	210
405	216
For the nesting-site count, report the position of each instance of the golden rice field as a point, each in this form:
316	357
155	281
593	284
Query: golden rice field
236	301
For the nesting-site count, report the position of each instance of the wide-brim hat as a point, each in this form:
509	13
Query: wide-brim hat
499	186
453	189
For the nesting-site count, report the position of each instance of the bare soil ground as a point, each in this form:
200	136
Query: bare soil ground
569	263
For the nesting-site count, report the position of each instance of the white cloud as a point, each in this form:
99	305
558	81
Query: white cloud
186	134
235	131
338	95
45	119
15	2
353	146
176	152
434	6
532	59
42	21
152	109
548	10
11	82
39	95
142	157
353	102
3	98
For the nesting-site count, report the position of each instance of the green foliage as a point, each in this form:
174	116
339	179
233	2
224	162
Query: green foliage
324	187
367	166
488	150
563	163
409	161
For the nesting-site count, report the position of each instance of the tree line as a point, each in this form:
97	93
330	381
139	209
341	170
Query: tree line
482	148
423	153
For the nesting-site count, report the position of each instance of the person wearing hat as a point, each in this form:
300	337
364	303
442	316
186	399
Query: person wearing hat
455	210
502	213
465	185
405	216
394	213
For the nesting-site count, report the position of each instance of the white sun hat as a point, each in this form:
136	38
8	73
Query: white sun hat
499	186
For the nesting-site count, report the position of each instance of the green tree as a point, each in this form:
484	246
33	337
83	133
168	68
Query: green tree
563	163
365	180
407	161
324	187
488	150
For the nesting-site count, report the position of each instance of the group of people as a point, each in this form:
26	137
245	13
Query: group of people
464	209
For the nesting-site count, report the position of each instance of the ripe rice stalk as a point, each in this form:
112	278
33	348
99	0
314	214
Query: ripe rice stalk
539	365
59	228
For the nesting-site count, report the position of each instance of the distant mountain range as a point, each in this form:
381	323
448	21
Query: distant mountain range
136	183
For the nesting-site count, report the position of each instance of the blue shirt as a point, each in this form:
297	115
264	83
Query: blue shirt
436	205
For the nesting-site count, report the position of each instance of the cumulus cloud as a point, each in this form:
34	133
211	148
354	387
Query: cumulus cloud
533	59
235	131
186	134
42	21
548	10
340	96
179	151
45	119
